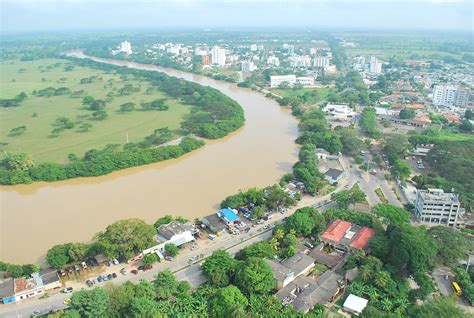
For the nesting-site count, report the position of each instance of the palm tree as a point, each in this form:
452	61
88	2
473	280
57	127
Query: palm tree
381	279
386	304
293	232
357	288
358	255
402	305
279	234
372	292
366	273
274	243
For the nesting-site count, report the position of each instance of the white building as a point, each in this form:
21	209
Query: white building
290	48
300	61
375	66
218	56
277	80
124	47
273	60
339	111
451	95
248	66
253	47
200	50
305	80
321	62
359	63
434	207
355	304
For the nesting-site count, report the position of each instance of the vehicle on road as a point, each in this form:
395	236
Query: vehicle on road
309	245
36	312
84	265
67	290
266	226
89	283
145	268
212	237
446	277
114	275
109	277
115	261
100	279
347	186
123	271
260	221
169	258
457	289
134	271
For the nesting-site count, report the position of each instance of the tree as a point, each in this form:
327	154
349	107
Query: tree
17	131
228	302
469	114
171	249
165	284
127	107
254	276
144	307
219	268
301	223
100	114
90	303
84	127
149	259
96	105
259	249
407	114
452	245
87	100
126	237
391	214
18	162
77	252
183	288
345	198
400	169
466	126
276	197
368	122
58	255
440	308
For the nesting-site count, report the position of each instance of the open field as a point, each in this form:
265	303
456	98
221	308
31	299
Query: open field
38	114
443	135
295	92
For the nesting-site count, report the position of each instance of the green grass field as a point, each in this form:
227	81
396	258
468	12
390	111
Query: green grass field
290	92
17	77
402	53
455	136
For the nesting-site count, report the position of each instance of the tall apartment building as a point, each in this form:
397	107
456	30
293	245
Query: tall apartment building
375	66
433	206
321	62
300	61
449	95
248	66
273	60
205	60
218	56
277	80
124	47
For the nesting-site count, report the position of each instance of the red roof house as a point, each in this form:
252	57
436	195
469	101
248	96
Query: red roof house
336	231
344	235
362	238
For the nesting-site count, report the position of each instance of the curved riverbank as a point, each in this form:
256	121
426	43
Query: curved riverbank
36	217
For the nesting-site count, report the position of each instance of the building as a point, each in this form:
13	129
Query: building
300	61
339	111
322	153
305	81
299	264
282	274
355	304
333	175
214	223
17	289
253	47
229	217
375	66
273	60
7	291
50	279
435	207
124	47
248	66
177	233
277	80
200	50
218	56
406	122
304	293
205	60
345	236
448	95
321	62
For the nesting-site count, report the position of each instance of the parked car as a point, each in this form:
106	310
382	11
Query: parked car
89	283
77	268
148	267
260	221
62	272
123	271
109	277
266	226
169	258
37	312
134	271
114	275
84	265
309	245
141	267
212	237
99	279
115	261
67	290
105	278
110	263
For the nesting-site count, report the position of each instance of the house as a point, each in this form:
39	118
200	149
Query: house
214	223
325	258
174	228
50	279
7	291
351	274
345	236
355	304
333	175
229	217
299	264
282	274
321	153
304	293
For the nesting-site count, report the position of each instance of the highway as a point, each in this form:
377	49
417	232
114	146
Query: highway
181	266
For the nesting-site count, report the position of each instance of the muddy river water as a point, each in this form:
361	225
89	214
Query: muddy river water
35	217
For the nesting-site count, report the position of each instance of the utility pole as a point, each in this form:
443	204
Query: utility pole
126	135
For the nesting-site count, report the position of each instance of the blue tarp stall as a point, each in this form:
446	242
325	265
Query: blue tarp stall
228	215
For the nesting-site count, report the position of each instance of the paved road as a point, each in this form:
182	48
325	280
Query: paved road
181	266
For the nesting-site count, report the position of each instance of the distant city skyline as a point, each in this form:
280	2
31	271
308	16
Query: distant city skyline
55	15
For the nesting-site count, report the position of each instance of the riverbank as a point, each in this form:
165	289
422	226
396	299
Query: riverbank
74	210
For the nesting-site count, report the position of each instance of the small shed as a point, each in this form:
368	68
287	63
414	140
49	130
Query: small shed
355	304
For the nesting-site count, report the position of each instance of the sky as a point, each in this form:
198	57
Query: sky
63	15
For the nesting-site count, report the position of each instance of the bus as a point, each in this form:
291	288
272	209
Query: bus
457	289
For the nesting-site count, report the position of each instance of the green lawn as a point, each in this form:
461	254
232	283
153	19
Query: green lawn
295	92
443	135
37	142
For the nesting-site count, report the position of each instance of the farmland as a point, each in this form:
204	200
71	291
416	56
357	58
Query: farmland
39	114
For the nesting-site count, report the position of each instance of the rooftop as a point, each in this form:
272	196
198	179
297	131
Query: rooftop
279	271
7	288
228	214
298	262
336	231
334	173
362	238
325	258
322	150
437	195
173	228
49	276
22	284
355	303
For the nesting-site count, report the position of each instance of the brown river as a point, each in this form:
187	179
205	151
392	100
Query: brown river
37	216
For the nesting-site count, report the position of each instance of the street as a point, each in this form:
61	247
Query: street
192	272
